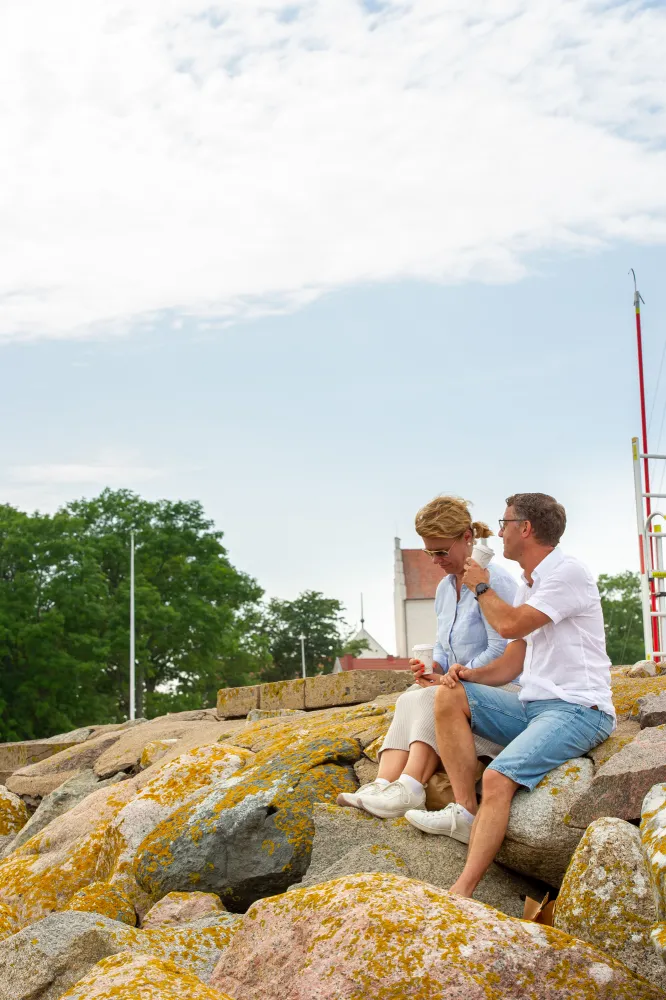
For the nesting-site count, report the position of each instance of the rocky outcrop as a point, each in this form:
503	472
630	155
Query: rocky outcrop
128	977
540	838
383	935
60	801
620	785
652	710
253	837
606	898
345	837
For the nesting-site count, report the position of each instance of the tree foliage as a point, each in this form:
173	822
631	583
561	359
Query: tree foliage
623	620
318	618
64	605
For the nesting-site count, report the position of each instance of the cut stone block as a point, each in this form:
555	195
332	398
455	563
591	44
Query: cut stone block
282	694
620	785
235	703
352	687
17	755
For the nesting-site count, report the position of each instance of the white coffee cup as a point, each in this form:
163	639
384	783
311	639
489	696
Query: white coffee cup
424	654
482	553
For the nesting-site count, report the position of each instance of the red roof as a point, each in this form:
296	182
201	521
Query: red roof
362	663
421	575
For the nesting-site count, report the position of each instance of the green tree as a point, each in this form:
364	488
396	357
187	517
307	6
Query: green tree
320	619
64	609
52	646
623	620
196	615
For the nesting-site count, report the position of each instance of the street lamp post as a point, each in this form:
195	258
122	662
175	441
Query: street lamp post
132	656
302	638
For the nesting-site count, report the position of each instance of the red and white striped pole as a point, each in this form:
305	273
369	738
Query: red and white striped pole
646	462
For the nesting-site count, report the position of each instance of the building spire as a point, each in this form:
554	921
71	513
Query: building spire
362	618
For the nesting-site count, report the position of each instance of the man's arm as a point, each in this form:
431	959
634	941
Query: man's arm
509	622
501	671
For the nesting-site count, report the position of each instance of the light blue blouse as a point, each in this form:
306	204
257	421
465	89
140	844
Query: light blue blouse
463	634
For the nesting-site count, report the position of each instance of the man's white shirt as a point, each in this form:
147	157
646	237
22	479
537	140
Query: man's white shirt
566	658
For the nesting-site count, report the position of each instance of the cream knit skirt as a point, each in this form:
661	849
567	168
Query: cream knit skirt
414	720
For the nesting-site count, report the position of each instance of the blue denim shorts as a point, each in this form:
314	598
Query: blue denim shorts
537	735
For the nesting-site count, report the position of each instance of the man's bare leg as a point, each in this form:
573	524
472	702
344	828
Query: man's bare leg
455	741
392	764
422	762
488	830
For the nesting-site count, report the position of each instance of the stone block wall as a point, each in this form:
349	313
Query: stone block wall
351	687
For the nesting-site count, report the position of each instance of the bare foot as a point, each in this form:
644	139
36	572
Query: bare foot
458	889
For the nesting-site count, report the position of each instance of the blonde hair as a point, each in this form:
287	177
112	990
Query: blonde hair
448	517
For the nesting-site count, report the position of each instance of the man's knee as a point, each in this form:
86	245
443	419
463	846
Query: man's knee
496	785
451	701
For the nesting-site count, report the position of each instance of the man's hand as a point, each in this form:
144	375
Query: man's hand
474	575
456	674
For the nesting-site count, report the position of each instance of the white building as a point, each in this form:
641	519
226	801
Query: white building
416	579
374	650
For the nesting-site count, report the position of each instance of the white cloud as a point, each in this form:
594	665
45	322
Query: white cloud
124	471
222	159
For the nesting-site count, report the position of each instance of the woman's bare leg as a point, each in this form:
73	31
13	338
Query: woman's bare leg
421	763
392	764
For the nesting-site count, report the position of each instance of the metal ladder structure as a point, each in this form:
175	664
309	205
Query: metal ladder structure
651	552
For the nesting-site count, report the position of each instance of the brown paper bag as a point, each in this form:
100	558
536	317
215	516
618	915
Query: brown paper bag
539	913
439	792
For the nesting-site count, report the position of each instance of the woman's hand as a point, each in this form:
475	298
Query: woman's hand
456	673
424	680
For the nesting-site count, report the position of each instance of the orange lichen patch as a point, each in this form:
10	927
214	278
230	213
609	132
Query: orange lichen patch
130	977
13	813
627	691
8	922
99	897
388	937
363	711
372	750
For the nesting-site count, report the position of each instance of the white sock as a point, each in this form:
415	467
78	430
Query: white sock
382	781
466	813
411	784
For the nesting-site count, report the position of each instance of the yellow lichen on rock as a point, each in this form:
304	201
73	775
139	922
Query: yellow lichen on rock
653	837
627	691
13	813
130	977
8	922
153	751
606	898
105	899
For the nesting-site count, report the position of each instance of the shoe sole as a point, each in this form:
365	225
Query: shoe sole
436	833
379	815
342	800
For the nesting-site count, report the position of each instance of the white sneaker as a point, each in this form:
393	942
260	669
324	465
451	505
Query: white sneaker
392	801
448	822
352	798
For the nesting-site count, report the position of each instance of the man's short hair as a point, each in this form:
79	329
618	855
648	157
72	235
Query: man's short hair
547	517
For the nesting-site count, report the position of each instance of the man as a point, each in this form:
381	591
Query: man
564	708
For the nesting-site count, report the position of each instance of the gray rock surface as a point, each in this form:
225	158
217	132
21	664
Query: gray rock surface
621	784
540	839
42	961
59	801
366	770
345	837
365	858
606	898
652	710
36	781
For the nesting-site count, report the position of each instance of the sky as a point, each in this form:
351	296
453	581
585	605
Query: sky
312	264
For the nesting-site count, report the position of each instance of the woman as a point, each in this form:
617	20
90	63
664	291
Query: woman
409	758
